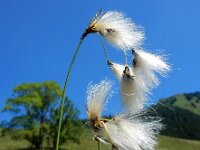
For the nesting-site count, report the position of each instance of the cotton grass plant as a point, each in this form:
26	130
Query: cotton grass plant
117	29
132	129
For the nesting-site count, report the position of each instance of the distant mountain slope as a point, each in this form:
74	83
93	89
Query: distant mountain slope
181	115
189	101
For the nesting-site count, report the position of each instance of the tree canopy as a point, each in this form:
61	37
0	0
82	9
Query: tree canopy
35	109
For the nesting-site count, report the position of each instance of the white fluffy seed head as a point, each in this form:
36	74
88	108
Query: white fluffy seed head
132	131
118	30
117	69
97	95
133	90
145	66
133	93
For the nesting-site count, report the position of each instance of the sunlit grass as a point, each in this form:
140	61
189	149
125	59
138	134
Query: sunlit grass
169	143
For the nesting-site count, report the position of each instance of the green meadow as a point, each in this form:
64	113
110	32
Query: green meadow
87	143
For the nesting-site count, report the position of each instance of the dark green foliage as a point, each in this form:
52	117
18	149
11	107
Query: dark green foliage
36	113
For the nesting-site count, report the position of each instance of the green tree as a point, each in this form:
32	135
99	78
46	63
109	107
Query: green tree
36	112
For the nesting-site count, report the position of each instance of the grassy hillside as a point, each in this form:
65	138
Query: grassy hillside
181	115
165	143
189	101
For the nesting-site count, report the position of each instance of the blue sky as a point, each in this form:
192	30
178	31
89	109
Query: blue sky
38	38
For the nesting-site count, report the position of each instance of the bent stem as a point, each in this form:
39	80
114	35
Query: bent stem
64	91
105	52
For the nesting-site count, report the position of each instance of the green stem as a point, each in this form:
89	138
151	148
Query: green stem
99	145
64	91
